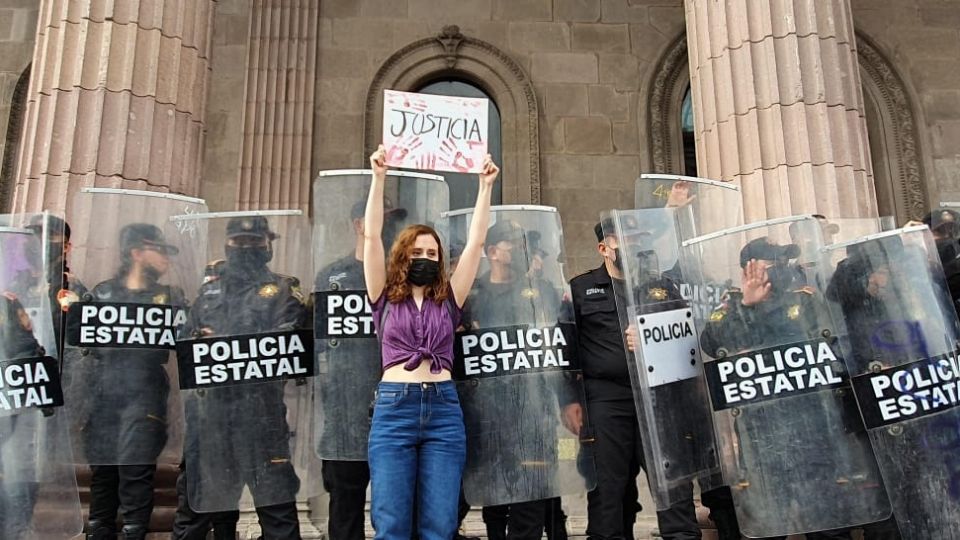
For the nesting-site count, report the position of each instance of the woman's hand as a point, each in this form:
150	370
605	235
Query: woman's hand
488	175
378	161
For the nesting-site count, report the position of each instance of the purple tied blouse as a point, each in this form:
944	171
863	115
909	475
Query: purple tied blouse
411	335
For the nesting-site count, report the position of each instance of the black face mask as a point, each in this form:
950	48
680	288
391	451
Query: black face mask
649	263
54	251
947	249
151	274
618	261
780	277
248	260
423	272
518	263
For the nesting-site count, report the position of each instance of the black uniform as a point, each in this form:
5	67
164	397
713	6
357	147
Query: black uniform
612	507
18	482
346	481
126	418
792	316
522	301
251	301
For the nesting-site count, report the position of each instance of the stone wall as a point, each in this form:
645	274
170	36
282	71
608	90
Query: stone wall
589	61
921	38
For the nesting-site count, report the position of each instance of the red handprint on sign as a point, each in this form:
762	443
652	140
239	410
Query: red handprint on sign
454	157
398	152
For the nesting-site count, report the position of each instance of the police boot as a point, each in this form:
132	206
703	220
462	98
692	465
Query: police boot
727	529
225	531
100	530
135	531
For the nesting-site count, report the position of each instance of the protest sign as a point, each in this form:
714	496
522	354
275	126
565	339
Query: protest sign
432	132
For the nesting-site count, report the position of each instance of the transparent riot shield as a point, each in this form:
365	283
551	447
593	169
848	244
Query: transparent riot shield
245	359
701	206
120	332
704	205
663	355
793	449
944	223
834	231
348	353
516	368
38	486
903	360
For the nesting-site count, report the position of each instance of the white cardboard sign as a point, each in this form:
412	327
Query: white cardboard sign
435	133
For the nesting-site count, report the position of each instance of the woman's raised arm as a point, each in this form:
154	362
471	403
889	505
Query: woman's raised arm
374	259
462	279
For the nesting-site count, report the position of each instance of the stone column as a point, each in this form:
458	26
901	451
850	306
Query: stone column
116	99
278	115
778	105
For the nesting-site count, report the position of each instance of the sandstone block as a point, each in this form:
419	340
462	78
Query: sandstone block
565	100
606	101
519	10
578	10
601	37
538	36
619	11
591	135
565	67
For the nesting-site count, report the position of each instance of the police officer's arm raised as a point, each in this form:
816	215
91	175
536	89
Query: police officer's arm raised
462	279
756	284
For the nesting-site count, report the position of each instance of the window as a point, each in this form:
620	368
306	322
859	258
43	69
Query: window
463	187
688	143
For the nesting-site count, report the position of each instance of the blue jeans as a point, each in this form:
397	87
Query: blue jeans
418	448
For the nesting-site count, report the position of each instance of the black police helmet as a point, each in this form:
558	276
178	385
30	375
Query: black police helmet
534	245
142	236
762	249
250	226
360	208
504	230
54	224
628	226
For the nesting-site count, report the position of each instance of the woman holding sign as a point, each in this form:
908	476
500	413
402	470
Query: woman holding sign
417	441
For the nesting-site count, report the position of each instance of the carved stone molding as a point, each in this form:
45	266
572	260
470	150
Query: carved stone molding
453	55
666	93
18	104
451	39
900	126
898	121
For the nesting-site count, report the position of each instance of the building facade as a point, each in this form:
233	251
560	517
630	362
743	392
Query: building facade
242	102
843	107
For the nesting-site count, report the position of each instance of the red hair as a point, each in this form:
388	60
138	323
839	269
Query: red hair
397	287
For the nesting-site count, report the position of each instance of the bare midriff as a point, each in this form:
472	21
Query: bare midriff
396	373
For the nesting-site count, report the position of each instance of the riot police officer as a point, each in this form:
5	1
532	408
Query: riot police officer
18	491
945	227
773	301
346	481
63	287
512	292
612	507
126	416
246	424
